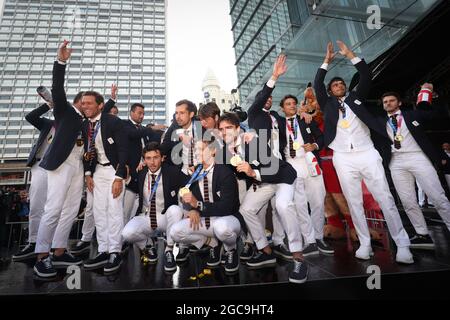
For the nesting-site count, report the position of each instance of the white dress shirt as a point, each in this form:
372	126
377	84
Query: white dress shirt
159	196
300	153
138	125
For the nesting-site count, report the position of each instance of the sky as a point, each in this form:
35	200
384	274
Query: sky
199	37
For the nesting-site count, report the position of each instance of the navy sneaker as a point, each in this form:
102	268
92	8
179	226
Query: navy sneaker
232	261
65	260
44	268
282	251
324	247
214	256
183	254
247	251
80	248
114	263
310	249
261	259
99	261
169	261
421	242
299	272
25	253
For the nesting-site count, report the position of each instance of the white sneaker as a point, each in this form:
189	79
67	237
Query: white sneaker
364	253
404	255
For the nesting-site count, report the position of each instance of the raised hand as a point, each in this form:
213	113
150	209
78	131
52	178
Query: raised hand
280	67
64	53
344	50
330	53
114	91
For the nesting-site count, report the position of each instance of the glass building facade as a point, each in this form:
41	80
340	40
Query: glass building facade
114	41
302	29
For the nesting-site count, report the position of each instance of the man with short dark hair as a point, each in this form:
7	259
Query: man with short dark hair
105	160
347	132
63	162
412	158
178	142
158	209
138	137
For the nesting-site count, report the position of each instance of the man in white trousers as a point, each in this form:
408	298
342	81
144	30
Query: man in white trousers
347	132
38	186
63	162
105	169
158	210
212	205
411	158
302	138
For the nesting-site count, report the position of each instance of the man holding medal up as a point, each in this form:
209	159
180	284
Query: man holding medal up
212	201
347	132
411	158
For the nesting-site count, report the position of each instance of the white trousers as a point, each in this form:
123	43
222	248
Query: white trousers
407	167
88	223
447	178
255	200
108	212
351	168
225	229
130	205
65	185
38	198
138	229
421	195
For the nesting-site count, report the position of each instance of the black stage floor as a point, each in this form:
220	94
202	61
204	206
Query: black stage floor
338	276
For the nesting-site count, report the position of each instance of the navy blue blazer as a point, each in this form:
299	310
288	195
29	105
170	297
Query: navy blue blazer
44	125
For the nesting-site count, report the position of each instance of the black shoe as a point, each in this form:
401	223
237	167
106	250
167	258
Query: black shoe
324	247
214	256
193	248
169	261
100	260
80	248
182	255
310	250
232	261
299	273
65	260
422	242
247	251
282	251
25	253
44	268
114	263
125	248
261	259
149	255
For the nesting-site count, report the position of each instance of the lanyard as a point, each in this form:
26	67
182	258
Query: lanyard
292	133
154	187
399	124
94	135
196	176
343	110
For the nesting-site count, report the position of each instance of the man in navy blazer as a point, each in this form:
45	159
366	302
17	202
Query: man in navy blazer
38	186
158	210
63	162
348	129
411	157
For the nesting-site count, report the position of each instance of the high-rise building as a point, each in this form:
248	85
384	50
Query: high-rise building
113	41
302	29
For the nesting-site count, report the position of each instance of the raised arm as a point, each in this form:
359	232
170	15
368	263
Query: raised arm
35	119
319	86
112	101
262	96
59	70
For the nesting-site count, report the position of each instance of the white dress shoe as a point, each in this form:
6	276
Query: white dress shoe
364	253
404	256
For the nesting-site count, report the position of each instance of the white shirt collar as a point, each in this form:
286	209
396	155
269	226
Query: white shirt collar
209	168
398	112
134	122
97	118
156	173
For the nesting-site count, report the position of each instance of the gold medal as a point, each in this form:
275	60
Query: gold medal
344	124
296	145
235	160
183	191
398	138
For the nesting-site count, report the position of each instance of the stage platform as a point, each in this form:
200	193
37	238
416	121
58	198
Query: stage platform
336	276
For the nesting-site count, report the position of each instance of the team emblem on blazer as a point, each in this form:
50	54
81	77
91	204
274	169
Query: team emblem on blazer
218	193
357	102
110	140
308	130
173	193
415	123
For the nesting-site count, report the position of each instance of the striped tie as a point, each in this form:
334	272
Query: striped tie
206	198
292	152
153	223
92	151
